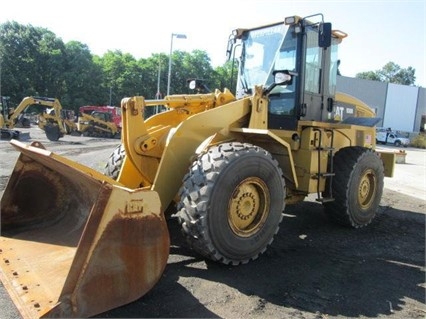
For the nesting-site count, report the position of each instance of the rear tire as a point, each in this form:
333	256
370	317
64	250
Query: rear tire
231	203
357	187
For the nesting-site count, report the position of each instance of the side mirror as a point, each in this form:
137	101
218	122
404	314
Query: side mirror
324	35
198	85
192	83
281	77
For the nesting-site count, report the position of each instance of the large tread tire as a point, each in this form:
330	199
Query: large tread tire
231	202
53	133
357	187
115	162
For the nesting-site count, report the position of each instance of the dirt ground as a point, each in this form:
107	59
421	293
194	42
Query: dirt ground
313	269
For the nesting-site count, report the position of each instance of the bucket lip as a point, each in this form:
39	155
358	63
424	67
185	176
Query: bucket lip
36	149
35	146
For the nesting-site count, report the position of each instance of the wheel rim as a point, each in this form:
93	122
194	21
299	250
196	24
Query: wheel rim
248	207
367	189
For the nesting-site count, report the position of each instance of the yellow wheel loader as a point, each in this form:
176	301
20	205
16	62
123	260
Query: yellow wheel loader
76	242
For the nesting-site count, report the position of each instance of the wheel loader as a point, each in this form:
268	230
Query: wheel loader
76	242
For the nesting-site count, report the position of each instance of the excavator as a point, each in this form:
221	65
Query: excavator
77	242
11	118
53	119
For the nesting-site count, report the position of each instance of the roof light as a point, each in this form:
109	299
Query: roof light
290	20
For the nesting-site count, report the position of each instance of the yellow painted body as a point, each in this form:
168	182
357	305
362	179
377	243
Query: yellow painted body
159	154
362	109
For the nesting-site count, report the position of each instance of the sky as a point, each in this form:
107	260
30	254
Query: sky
378	31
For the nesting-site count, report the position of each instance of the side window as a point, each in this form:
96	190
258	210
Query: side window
313	63
334	69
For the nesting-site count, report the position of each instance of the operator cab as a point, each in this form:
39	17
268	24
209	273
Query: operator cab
305	50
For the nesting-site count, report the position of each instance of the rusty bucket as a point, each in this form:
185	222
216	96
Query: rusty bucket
75	243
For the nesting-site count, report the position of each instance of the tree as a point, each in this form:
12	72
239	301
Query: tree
391	73
197	65
82	77
32	62
122	76
226	76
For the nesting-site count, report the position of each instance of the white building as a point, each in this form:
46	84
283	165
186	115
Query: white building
401	107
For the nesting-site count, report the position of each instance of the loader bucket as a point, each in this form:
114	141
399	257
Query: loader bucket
74	243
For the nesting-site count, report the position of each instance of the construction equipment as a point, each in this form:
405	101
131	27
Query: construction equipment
53	119
15	117
56	121
99	121
113	110
11	117
76	243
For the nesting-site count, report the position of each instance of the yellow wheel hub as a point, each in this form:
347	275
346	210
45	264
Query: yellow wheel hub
367	189
248	207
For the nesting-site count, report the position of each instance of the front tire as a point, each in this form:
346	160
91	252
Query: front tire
231	202
357	187
115	162
53	133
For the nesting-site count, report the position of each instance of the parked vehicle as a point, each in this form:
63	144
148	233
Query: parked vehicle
389	137
78	242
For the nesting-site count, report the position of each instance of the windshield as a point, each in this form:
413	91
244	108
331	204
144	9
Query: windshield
264	50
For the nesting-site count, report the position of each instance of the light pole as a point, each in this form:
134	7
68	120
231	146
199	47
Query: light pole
158	94
178	36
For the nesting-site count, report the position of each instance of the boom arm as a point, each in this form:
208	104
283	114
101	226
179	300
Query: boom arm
27	101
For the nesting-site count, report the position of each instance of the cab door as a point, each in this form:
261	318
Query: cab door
319	75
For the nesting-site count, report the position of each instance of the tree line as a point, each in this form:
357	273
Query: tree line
391	73
35	62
